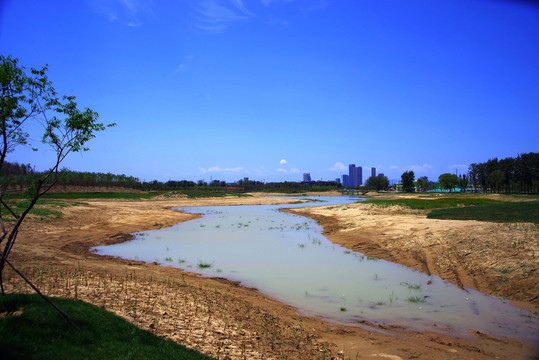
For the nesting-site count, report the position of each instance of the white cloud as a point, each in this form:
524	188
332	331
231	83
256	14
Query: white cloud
126	12
218	169
393	167
214	16
339	166
282	170
420	168
283	161
294	171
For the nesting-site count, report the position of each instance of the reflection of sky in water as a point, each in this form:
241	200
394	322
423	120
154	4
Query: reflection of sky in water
286	257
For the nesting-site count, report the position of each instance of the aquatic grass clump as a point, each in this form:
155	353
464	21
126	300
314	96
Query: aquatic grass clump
204	265
414	286
416	299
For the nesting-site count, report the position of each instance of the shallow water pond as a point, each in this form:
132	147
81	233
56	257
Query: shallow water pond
286	257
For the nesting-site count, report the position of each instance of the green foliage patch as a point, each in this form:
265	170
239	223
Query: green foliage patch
44	209
526	211
201	193
31	329
89	195
439	203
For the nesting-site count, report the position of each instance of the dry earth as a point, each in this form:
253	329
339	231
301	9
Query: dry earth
228	321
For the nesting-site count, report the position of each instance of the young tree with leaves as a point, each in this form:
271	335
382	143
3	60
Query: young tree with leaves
27	100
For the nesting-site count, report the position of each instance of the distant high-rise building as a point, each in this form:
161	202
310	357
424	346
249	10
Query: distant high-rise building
345	180
351	168
306	177
381	175
373	172
355	175
338	181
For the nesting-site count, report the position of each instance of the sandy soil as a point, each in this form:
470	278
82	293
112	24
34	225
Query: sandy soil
228	321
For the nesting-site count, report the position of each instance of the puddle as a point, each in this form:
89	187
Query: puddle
286	257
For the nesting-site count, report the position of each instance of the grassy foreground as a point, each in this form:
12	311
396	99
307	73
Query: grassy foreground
504	212
31	329
429	203
471	208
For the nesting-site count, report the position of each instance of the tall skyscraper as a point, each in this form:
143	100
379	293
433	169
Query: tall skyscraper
306	177
345	180
373	172
355	175
359	175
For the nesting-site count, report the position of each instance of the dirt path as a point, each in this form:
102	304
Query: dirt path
224	319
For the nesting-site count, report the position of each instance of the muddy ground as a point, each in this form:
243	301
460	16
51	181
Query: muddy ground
228	321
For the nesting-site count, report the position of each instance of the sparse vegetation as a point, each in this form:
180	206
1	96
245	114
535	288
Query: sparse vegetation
170	305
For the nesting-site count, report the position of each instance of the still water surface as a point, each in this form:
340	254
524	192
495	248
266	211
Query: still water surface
286	257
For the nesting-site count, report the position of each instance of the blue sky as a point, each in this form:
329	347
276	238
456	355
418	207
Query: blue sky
270	89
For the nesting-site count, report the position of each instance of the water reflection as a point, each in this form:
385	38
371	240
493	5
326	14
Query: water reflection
285	256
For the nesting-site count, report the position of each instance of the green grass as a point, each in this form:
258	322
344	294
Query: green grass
202	193
39	332
527	211
89	195
193	194
425	204
44	209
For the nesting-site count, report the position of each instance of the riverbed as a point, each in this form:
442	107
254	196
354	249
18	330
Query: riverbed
286	257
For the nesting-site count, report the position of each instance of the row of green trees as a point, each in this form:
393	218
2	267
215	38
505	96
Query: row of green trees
509	175
66	177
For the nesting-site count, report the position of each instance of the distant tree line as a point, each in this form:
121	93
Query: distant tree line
509	175
17	176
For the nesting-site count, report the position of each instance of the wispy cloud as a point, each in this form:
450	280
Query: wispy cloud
181	66
283	161
126	12
288	171
214	16
218	169
339	166
420	168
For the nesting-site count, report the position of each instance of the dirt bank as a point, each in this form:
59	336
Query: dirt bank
219	317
